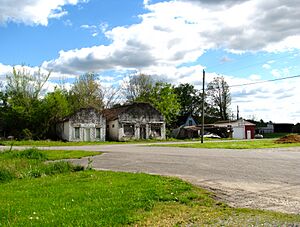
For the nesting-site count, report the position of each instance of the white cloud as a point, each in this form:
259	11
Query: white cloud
94	29
68	23
177	32
273	101
54	76
33	12
255	77
284	72
86	26
266	66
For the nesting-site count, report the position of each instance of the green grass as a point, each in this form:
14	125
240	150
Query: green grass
30	163
251	144
68	154
91	198
35	193
49	143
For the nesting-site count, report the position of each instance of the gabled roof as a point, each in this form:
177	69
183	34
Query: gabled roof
239	122
181	120
113	113
81	109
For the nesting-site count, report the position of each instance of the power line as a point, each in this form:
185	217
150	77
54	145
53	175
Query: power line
216	66
265	81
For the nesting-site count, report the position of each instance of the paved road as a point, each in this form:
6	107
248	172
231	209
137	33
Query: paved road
266	178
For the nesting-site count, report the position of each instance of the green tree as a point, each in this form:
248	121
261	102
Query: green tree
189	98
55	107
138	87
143	88
23	90
86	92
219	98
163	97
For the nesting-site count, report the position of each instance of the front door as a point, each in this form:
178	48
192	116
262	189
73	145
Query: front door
87	136
248	134
143	132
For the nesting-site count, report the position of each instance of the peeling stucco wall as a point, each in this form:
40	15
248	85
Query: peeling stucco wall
88	121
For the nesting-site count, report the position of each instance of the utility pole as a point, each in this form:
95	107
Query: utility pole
203	97
237	113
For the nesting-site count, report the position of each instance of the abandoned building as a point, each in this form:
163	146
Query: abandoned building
241	129
87	124
187	128
134	121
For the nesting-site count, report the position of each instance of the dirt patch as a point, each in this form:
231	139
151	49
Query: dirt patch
293	138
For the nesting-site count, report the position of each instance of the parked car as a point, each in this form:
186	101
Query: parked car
258	136
211	135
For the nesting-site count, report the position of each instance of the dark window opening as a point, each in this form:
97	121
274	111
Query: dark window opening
190	122
156	130
77	134
98	133
129	130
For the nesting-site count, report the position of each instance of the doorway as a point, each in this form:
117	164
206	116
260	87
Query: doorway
248	134
87	136
142	132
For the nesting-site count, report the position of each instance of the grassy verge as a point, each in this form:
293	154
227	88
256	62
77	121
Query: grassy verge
91	198
30	163
35	193
47	143
68	154
251	144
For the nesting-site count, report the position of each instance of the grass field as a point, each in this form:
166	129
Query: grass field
30	163
91	198
51	194
251	144
49	143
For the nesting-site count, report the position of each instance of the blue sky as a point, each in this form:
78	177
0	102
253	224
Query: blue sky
244	40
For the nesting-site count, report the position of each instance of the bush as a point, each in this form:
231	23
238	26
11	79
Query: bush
5	175
26	134
62	167
32	153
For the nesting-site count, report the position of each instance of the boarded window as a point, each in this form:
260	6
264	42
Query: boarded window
98	133
77	135
129	129
156	130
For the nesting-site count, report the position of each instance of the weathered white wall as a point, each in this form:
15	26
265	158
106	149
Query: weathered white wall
238	132
87	120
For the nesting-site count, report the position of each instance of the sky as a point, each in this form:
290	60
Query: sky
245	41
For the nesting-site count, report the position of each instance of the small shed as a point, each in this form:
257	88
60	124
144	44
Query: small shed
241	129
134	121
87	124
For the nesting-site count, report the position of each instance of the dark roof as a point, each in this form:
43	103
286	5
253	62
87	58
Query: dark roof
181	120
113	113
81	109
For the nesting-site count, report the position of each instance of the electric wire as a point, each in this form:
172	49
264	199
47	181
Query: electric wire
264	81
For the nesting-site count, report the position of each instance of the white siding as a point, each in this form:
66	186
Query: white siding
238	132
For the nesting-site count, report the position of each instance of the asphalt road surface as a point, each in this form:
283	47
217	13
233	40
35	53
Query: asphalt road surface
259	178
